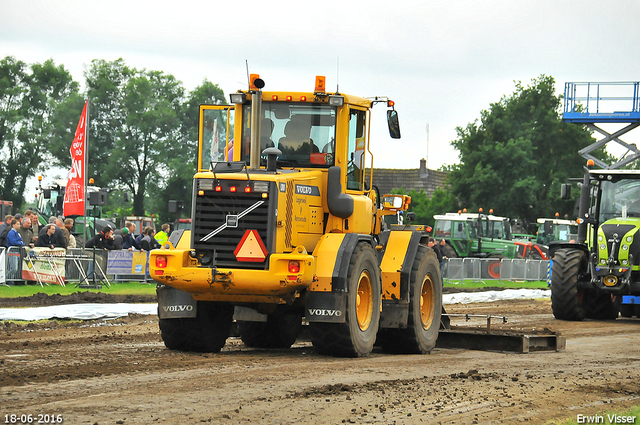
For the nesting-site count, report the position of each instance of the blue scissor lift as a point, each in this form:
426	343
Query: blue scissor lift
604	103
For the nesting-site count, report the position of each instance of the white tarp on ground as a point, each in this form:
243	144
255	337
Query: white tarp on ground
77	311
489	296
112	311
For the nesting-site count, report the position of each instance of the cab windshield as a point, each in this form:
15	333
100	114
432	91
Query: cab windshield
620	199
304	133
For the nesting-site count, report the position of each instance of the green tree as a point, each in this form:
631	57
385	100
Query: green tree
134	124
515	159
181	158
28	96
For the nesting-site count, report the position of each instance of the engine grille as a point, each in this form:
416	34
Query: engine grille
211	212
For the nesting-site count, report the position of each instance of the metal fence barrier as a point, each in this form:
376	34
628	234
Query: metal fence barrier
497	269
78	265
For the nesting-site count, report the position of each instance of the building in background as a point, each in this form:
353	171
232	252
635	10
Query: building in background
388	179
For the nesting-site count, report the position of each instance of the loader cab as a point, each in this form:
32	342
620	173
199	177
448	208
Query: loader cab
304	133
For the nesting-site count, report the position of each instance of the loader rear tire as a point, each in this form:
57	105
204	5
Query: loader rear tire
279	331
355	337
205	333
425	309
567	300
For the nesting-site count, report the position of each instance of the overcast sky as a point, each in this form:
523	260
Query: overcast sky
441	61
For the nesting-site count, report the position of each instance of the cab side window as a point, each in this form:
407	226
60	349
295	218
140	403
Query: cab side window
356	150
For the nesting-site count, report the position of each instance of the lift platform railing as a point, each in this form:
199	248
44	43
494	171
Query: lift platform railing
602	102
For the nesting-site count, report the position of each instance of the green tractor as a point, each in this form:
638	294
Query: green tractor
477	235
556	230
598	276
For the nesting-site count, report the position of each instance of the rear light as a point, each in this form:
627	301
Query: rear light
161	261
303	98
247	189
294	267
274	97
218	188
289	98
233	189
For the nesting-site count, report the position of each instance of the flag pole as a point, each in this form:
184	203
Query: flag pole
86	179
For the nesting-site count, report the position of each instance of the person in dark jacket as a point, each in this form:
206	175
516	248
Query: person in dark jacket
26	232
5	227
148	242
128	242
49	238
118	239
58	239
102	240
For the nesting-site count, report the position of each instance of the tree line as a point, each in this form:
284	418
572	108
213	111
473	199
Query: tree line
143	132
514	159
144	129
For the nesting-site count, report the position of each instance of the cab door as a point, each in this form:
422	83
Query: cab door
215	138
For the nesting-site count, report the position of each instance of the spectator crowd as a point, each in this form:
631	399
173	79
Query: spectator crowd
24	231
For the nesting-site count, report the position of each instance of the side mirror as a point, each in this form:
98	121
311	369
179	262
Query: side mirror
396	202
46	193
411	216
391	202
394	125
565	191
548	227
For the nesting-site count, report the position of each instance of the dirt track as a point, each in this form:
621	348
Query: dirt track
120	372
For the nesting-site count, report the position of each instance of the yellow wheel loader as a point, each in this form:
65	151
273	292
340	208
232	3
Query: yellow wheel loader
287	229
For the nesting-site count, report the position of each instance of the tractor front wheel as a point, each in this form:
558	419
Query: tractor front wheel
567	300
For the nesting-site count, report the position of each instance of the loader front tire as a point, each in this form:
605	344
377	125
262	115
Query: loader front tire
355	337
425	309
205	333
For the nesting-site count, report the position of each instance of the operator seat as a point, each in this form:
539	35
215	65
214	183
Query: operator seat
296	140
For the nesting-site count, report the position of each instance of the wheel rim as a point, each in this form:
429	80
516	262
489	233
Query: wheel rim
364	301
427	302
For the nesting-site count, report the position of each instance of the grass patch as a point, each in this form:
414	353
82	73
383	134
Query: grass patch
634	412
125	288
476	284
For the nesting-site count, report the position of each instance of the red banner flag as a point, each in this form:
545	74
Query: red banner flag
74	193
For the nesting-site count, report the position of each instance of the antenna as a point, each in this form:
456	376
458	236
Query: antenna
337	74
248	77
427	164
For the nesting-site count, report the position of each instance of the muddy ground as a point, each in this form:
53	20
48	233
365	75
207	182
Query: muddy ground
119	372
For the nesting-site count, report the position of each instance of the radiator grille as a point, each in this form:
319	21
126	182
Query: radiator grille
212	211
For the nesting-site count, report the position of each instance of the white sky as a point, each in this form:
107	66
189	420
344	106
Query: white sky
441	61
